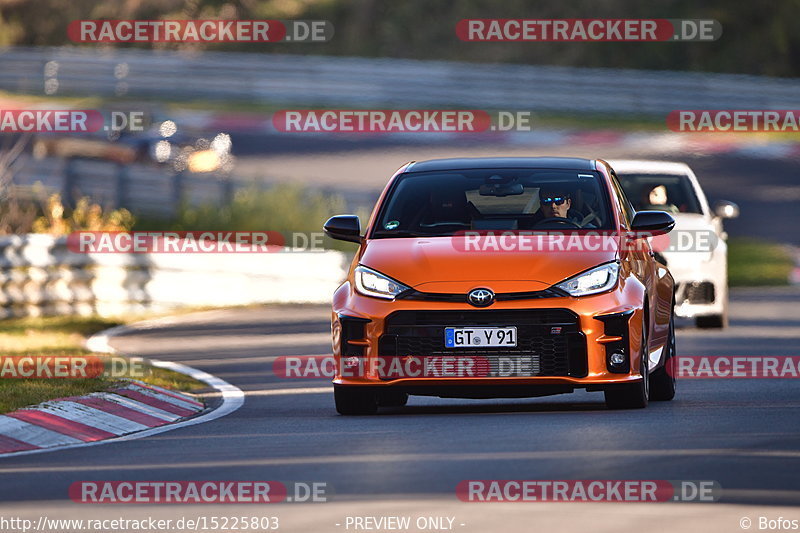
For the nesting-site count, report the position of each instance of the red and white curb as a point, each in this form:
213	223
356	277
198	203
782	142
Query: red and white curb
132	411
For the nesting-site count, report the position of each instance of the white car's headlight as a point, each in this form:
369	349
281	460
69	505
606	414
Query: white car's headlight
598	279
372	283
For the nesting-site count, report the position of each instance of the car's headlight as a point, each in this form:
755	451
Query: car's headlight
598	279
372	283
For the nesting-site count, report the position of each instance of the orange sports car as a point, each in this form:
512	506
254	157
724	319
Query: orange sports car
503	277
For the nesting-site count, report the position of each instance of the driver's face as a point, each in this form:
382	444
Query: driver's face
553	210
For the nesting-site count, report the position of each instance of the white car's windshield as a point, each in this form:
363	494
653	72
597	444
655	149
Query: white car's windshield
662	192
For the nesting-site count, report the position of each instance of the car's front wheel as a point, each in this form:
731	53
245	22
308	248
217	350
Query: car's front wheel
355	400
712	321
632	395
662	381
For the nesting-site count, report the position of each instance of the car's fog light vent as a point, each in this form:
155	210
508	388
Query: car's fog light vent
618	358
352	330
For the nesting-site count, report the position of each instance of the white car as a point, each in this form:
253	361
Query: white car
698	254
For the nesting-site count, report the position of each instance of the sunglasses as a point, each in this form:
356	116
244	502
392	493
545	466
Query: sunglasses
558	200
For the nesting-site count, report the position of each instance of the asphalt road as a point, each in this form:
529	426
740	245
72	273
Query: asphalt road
743	434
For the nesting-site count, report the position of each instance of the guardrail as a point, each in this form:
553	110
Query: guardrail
141	188
331	81
40	276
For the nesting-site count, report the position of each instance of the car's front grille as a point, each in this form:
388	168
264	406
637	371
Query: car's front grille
549	341
696	292
483	317
552	292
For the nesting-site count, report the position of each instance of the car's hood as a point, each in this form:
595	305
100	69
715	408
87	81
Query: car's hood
440	261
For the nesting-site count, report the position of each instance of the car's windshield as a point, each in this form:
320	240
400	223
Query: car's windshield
662	192
448	202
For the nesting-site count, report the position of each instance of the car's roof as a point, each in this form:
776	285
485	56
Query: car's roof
465	163
622	166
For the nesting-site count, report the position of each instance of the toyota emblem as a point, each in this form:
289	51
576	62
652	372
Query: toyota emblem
480	297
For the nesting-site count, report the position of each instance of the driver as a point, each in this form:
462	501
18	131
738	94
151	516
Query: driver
657	199
556	202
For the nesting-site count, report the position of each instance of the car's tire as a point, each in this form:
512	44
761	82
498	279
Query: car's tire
355	400
632	395
662	380
712	321
390	398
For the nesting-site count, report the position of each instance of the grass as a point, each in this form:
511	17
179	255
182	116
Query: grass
758	263
17	393
26	334
64	337
168	379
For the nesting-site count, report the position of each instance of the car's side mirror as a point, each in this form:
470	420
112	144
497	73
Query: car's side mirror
343	228
652	223
726	209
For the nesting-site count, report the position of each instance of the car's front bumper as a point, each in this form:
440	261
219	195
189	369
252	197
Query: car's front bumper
701	282
363	330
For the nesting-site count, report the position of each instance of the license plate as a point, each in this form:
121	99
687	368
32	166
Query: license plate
480	337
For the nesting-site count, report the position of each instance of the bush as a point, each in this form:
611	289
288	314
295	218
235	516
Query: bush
281	208
58	220
18	215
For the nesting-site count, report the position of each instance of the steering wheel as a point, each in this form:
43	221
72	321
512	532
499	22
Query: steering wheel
558	220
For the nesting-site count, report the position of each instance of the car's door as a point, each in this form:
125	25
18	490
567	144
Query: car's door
652	274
